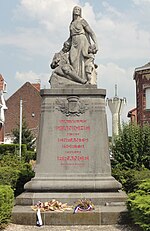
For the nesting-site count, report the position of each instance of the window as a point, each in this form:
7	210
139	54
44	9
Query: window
147	94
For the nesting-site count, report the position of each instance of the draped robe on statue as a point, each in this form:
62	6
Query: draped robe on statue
79	46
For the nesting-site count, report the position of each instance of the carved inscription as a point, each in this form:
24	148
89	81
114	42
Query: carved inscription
73	141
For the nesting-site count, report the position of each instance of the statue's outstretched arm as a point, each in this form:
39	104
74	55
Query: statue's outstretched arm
92	35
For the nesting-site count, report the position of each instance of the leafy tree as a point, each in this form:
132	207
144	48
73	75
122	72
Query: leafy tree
131	148
27	136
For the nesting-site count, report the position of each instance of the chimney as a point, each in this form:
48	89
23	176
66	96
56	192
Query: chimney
36	85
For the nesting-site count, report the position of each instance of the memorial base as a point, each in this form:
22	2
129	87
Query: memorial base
102	215
109	209
73	152
73	184
99	199
73	161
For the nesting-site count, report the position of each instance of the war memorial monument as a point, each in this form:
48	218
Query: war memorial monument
73	154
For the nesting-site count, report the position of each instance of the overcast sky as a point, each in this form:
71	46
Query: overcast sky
31	31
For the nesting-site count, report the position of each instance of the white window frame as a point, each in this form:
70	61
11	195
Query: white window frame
147	96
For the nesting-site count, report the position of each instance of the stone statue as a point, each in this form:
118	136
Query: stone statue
75	62
63	68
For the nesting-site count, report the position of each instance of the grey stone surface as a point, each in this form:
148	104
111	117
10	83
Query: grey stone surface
64	73
106	198
14	227
73	154
75	62
113	215
73	160
102	215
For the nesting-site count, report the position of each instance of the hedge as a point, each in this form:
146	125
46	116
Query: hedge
130	179
15	172
9	176
25	175
139	205
30	155
6	204
12	149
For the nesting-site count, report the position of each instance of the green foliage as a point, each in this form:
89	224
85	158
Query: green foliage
27	136
131	166
25	175
131	147
15	172
12	161
131	178
12	149
139	205
30	155
6	204
9	176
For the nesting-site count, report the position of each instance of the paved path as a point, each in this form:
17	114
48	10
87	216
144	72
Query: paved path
13	227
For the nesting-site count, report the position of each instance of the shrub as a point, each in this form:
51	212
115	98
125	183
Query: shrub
15	172
29	155
12	149
130	179
10	160
25	175
6	204
139	205
9	176
131	147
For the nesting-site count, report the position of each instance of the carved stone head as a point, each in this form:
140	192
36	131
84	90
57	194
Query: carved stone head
77	11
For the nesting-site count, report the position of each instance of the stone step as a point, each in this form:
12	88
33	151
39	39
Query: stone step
98	198
102	215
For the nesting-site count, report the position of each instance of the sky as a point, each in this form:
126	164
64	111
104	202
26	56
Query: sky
31	31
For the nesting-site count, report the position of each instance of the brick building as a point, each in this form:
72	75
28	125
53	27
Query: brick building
31	103
142	79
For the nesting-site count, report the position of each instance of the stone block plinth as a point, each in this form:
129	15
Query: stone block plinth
73	153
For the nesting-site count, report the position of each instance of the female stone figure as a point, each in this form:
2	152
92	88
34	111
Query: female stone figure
75	62
80	40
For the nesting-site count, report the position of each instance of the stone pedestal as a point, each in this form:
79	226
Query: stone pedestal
72	160
73	153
